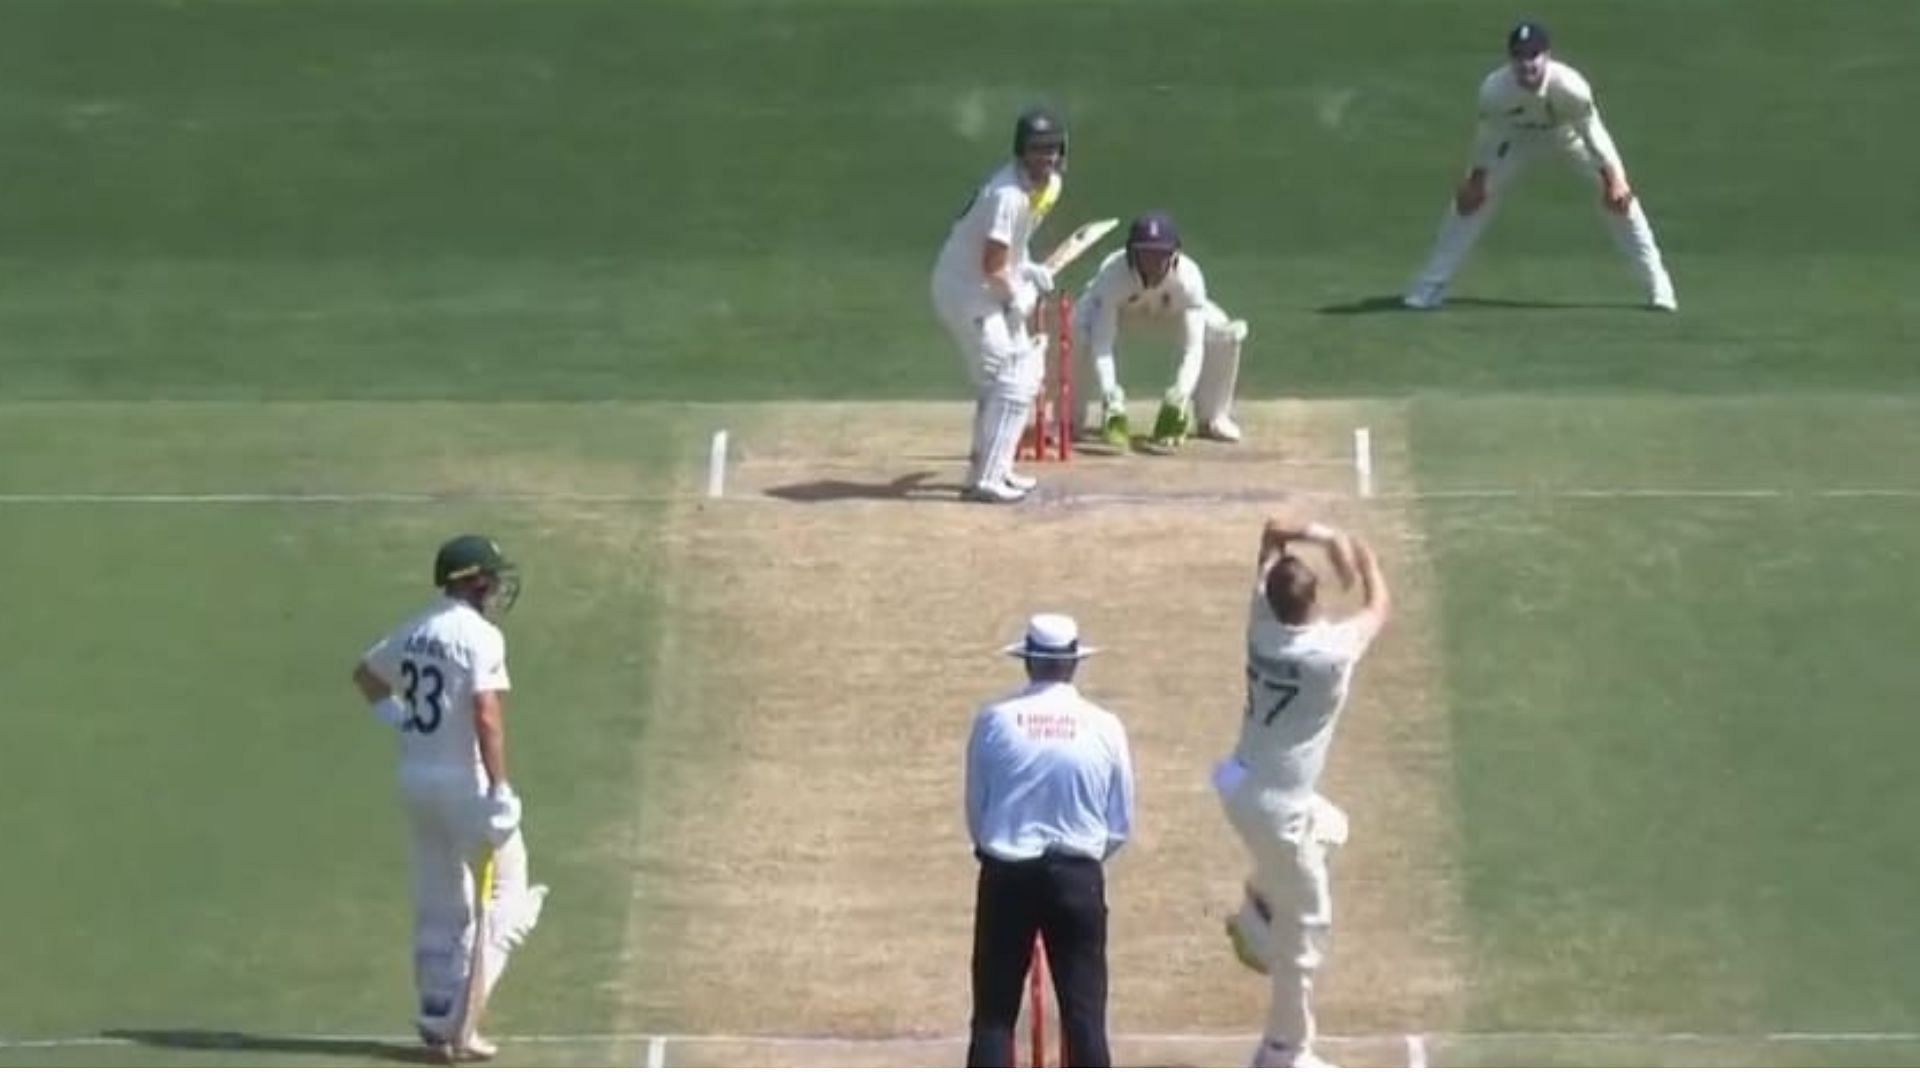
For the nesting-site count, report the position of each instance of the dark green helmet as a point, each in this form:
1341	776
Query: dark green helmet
475	566
1039	127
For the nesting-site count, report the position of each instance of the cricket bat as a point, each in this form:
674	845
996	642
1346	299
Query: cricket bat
474	1001
1078	243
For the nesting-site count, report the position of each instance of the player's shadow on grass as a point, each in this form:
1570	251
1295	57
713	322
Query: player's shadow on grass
1387	305
911	485
245	1043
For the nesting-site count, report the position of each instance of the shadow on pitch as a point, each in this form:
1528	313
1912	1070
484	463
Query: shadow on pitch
1391	305
243	1042
911	485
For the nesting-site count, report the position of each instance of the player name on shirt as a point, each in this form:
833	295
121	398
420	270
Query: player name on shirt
422	643
1046	726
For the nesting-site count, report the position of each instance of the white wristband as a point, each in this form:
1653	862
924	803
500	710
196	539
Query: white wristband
1324	534
390	712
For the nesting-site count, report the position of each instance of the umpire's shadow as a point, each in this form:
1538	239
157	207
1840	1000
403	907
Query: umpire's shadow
1392	305
242	1042
911	485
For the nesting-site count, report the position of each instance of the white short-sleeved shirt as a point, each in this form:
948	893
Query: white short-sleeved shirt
1048	770
1003	210
436	662
1297	680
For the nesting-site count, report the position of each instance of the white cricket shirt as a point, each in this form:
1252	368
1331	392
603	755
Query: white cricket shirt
1563	107
1116	291
1002	210
1048	770
435	662
1297	679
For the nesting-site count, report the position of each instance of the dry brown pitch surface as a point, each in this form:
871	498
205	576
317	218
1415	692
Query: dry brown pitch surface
834	621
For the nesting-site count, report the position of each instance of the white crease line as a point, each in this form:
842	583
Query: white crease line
1363	462
657	1052
1425	1041
1049	495
717	465
1416	1052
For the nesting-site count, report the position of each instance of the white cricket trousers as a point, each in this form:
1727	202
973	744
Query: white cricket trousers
1632	232
1005	364
1288	912
446	818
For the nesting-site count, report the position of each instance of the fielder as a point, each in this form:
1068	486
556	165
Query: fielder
1299	668
1532	105
437	681
986	286
1151	279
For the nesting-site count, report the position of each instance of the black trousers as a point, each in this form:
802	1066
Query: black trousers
1062	898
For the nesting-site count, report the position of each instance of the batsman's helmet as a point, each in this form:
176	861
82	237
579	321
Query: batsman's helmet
474	567
1038	127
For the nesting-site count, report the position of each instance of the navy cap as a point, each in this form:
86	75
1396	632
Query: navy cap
1528	39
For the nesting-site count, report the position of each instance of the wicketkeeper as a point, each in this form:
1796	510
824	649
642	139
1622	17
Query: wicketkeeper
1152	279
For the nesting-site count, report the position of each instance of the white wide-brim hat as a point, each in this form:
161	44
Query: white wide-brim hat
1051	637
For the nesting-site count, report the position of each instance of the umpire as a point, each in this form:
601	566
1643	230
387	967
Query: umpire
1049	798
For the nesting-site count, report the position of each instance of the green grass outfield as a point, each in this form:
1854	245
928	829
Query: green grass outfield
482	247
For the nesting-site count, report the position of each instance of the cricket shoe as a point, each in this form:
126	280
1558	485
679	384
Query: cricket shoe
1424	298
1221	429
1020	481
477	1048
1664	303
1279	1055
440	1045
993	491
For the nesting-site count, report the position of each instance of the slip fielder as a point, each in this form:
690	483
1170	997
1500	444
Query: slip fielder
1534	105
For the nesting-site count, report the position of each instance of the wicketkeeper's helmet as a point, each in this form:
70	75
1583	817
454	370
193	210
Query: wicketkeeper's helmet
1153	232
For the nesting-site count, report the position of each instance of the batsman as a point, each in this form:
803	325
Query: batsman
1151	279
437	681
986	286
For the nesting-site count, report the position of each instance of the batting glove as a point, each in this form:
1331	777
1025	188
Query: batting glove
503	815
389	711
1025	298
1039	277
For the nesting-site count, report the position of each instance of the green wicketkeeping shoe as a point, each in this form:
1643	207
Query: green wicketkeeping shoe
1114	430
